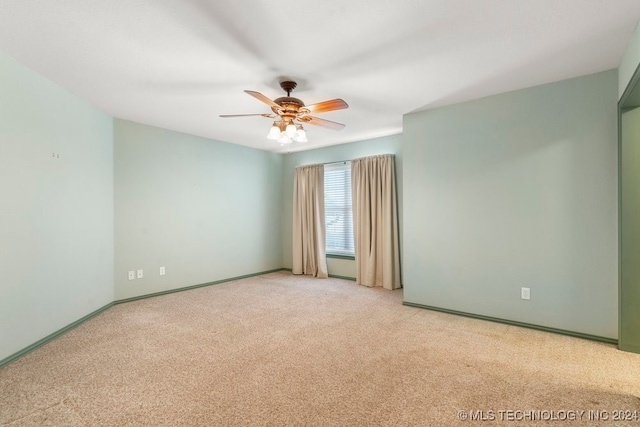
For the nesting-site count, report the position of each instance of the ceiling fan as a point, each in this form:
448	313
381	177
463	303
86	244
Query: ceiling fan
291	112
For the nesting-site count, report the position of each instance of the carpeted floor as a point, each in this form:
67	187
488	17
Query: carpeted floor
280	350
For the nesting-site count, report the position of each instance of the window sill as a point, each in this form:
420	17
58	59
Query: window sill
336	256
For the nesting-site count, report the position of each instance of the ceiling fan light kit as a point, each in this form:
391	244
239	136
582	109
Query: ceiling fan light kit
286	133
292	113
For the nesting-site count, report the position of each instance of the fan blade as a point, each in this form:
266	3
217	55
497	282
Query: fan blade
332	105
262	98
321	122
270	116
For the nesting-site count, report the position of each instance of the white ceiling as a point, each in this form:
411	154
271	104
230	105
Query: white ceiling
178	64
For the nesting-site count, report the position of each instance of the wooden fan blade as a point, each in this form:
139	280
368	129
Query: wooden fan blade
262	98
321	122
270	116
332	105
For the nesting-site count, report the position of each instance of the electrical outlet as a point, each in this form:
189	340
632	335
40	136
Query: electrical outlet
132	275
525	293
140	274
162	271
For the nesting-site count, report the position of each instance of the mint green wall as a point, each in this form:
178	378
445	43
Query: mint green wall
517	190
629	62
385	145
56	214
630	232
204	209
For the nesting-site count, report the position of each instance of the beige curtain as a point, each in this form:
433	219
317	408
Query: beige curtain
309	255
375	221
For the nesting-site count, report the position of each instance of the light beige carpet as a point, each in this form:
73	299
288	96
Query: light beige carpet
280	350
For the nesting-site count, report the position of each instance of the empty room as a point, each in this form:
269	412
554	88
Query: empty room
411	213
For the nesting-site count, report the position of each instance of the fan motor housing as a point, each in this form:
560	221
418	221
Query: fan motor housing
289	100
289	107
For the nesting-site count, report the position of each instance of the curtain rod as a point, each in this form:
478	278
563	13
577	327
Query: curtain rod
344	161
357	158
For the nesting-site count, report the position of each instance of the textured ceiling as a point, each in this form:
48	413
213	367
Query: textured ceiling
178	64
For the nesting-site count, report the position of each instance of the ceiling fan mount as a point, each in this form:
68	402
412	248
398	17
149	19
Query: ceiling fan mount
292	112
288	86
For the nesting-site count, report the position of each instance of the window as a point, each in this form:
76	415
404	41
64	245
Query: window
338	215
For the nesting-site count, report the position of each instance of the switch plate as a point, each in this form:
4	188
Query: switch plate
140	274
132	275
163	271
525	293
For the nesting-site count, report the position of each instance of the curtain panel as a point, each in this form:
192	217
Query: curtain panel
375	221
309	255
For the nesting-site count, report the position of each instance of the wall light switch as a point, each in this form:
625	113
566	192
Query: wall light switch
525	293
132	275
162	271
140	274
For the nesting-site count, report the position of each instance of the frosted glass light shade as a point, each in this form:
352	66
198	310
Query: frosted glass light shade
291	130
284	139
301	135
274	132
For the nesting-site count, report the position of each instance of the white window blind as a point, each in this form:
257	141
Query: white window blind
337	209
